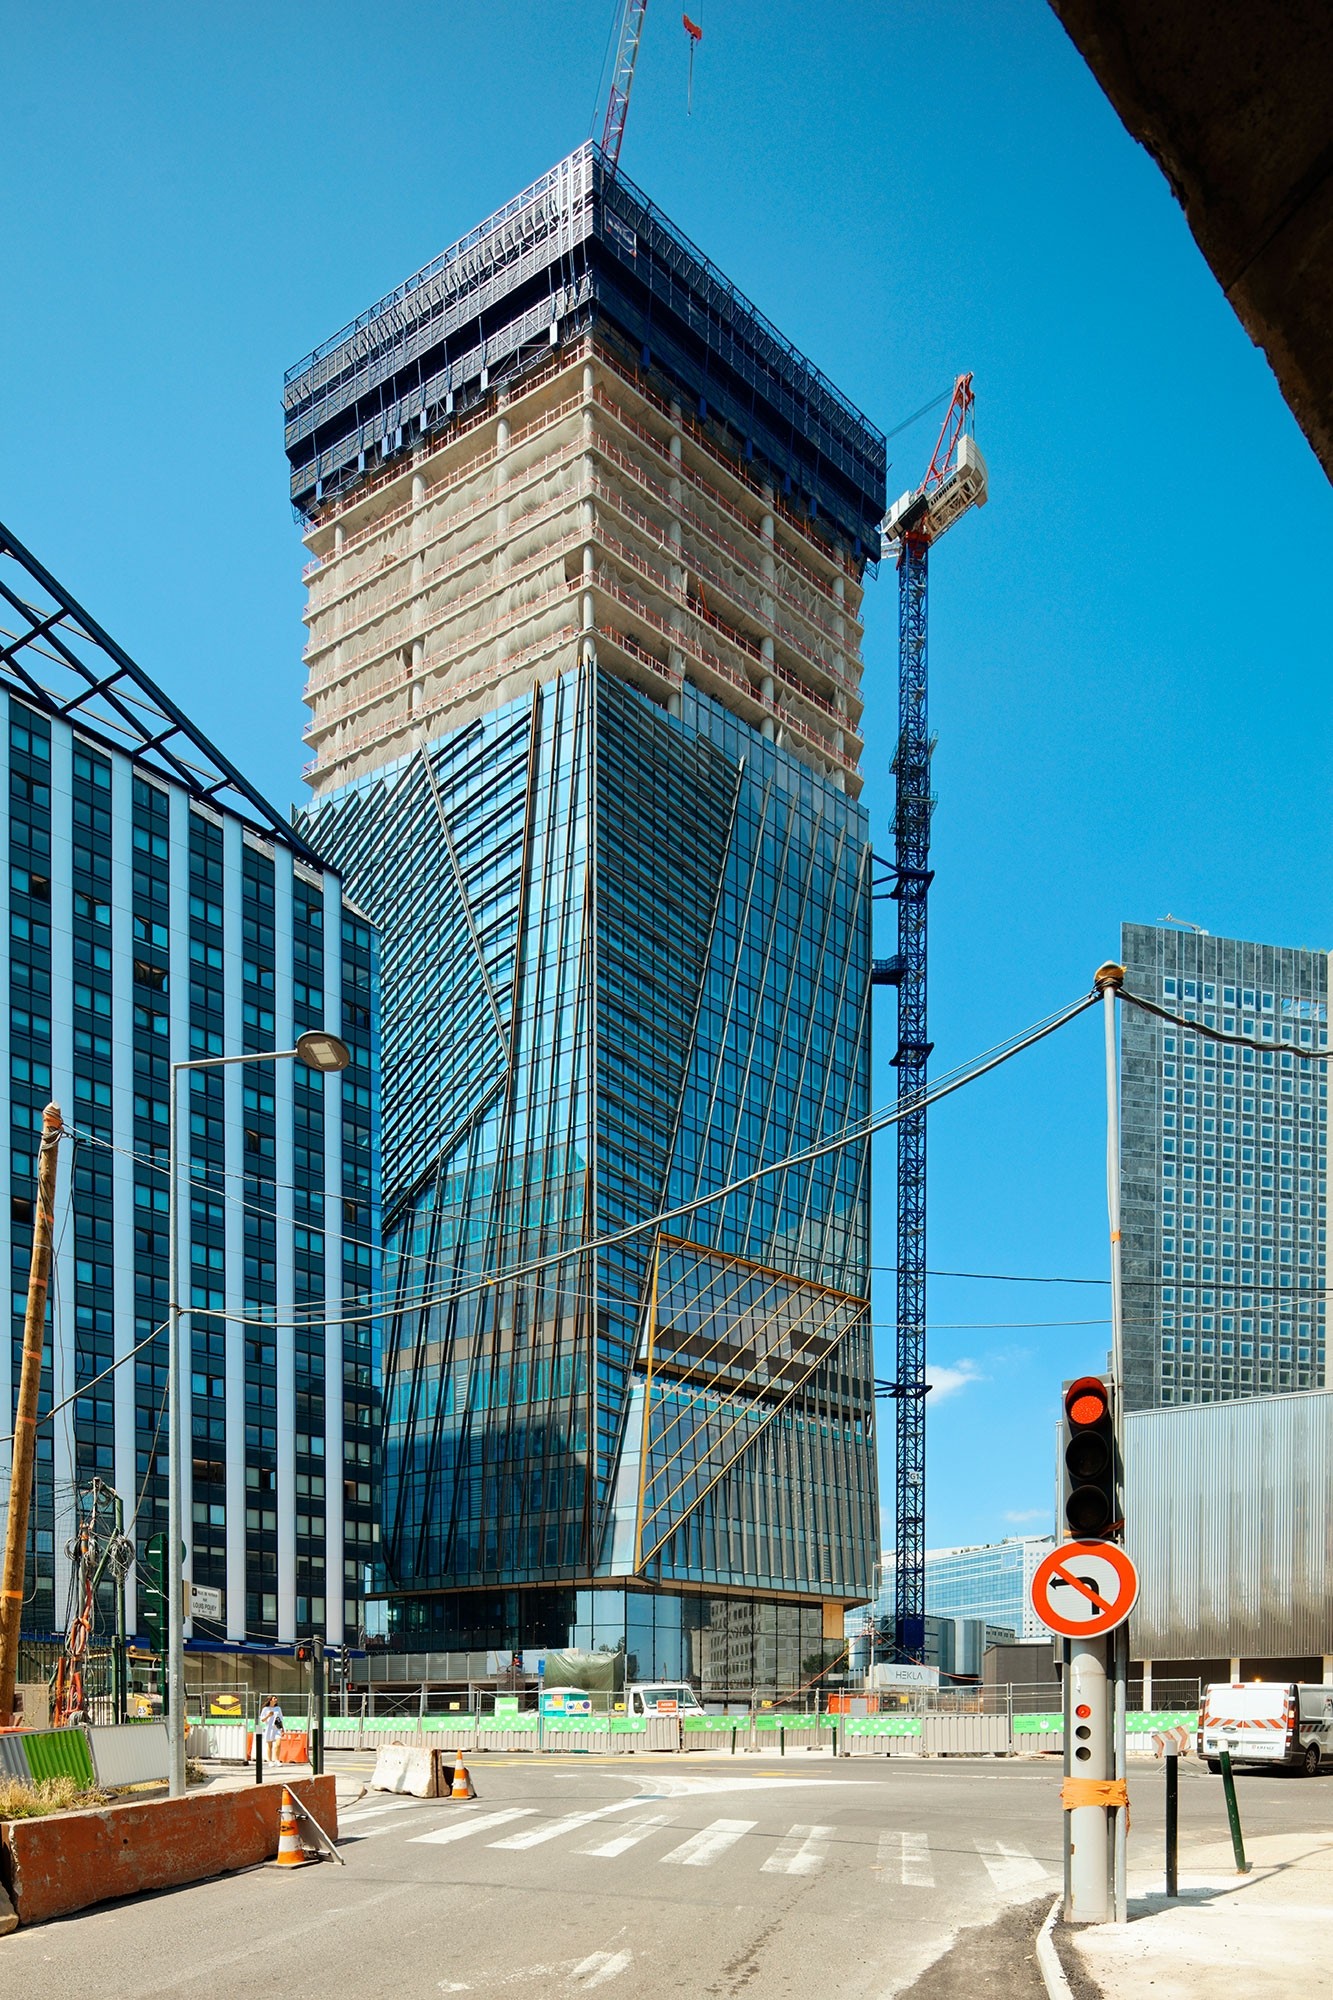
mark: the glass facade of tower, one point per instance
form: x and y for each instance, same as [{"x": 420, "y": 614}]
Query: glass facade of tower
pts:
[
  {"x": 146, "y": 925},
  {"x": 588, "y": 539},
  {"x": 635, "y": 951},
  {"x": 1223, "y": 1162}
]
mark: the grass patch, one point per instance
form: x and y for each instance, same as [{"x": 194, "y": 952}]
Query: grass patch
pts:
[{"x": 52, "y": 1795}]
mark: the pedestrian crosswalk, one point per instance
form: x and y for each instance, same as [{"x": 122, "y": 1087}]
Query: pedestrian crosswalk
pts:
[
  {"x": 702, "y": 1849},
  {"x": 900, "y": 1857},
  {"x": 904, "y": 1858}
]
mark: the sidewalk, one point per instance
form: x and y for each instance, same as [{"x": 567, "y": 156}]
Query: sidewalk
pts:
[{"x": 1262, "y": 1936}]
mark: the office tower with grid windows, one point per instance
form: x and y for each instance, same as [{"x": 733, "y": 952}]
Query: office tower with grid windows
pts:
[
  {"x": 1223, "y": 1168},
  {"x": 587, "y": 541},
  {"x": 159, "y": 911}
]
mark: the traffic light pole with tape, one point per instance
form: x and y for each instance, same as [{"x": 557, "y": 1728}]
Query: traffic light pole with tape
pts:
[
  {"x": 1091, "y": 1515},
  {"x": 1097, "y": 1581}
]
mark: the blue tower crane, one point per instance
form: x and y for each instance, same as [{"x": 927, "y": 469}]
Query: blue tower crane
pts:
[{"x": 954, "y": 481}]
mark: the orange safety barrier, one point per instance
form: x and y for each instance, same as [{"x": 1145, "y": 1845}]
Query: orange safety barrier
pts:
[{"x": 292, "y": 1747}]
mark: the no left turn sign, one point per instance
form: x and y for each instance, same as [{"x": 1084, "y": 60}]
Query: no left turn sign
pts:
[{"x": 1083, "y": 1589}]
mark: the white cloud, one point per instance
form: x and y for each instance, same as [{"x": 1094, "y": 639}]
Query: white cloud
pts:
[
  {"x": 948, "y": 1381},
  {"x": 1018, "y": 1515}
]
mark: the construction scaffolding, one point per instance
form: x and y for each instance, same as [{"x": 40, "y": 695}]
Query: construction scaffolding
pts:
[{"x": 577, "y": 500}]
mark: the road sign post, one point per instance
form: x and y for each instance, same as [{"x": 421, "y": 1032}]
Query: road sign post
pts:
[{"x": 1085, "y": 1591}]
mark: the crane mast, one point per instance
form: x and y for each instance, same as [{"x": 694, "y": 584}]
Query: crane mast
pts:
[
  {"x": 954, "y": 481},
  {"x": 622, "y": 79}
]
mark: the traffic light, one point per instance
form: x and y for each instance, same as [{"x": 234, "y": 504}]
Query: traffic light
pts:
[
  {"x": 344, "y": 1662},
  {"x": 1091, "y": 1470}
]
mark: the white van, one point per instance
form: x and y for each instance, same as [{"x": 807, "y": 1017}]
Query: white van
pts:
[
  {"x": 1267, "y": 1722},
  {"x": 662, "y": 1698}
]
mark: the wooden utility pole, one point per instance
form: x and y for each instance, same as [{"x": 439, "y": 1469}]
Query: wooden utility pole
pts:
[{"x": 25, "y": 1416}]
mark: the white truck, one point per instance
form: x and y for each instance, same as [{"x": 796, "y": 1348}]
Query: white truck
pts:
[
  {"x": 662, "y": 1698},
  {"x": 1274, "y": 1723}
]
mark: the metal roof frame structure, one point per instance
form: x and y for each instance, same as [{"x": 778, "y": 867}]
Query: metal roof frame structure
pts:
[
  {"x": 580, "y": 249},
  {"x": 63, "y": 662}
]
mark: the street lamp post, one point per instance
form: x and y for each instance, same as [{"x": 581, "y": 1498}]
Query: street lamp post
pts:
[{"x": 320, "y": 1051}]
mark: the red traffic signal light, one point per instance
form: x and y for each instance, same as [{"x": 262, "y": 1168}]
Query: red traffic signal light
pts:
[
  {"x": 1087, "y": 1402},
  {"x": 1091, "y": 1484}
]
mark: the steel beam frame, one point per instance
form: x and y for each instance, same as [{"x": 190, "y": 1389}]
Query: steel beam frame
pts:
[{"x": 63, "y": 662}]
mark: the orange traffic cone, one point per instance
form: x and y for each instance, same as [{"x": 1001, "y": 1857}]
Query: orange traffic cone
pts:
[
  {"x": 463, "y": 1787},
  {"x": 291, "y": 1854}
]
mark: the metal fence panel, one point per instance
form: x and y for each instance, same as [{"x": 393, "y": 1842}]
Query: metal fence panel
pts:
[
  {"x": 13, "y": 1760},
  {"x": 59, "y": 1753},
  {"x": 1228, "y": 1522},
  {"x": 130, "y": 1753},
  {"x": 964, "y": 1735}
]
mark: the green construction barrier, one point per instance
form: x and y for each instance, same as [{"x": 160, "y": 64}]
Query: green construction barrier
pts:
[
  {"x": 1039, "y": 1725},
  {"x": 628, "y": 1725},
  {"x": 59, "y": 1753},
  {"x": 448, "y": 1721},
  {"x": 883, "y": 1725},
  {"x": 495, "y": 1723},
  {"x": 1141, "y": 1722},
  {"x": 771, "y": 1719},
  {"x": 710, "y": 1723}
]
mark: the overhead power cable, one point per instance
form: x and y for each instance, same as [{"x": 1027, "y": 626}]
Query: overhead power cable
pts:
[
  {"x": 853, "y": 1135},
  {"x": 1226, "y": 1035}
]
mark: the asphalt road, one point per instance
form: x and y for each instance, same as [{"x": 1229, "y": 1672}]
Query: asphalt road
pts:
[{"x": 639, "y": 1879}]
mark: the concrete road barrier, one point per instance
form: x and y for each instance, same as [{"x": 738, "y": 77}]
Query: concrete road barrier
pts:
[
  {"x": 70, "y": 1861},
  {"x": 402, "y": 1767}
]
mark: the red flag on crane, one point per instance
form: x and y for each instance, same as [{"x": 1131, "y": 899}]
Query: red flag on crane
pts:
[{"x": 692, "y": 28}]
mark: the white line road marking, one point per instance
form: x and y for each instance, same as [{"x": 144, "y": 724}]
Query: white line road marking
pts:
[
  {"x": 804, "y": 1849},
  {"x": 701, "y": 1849},
  {"x": 637, "y": 1830},
  {"x": 361, "y": 1833},
  {"x": 374, "y": 1812},
  {"x": 464, "y": 1827},
  {"x": 535, "y": 1835},
  {"x": 667, "y": 1787},
  {"x": 905, "y": 1858},
  {"x": 1009, "y": 1867},
  {"x": 597, "y": 1969},
  {"x": 600, "y": 1967}
]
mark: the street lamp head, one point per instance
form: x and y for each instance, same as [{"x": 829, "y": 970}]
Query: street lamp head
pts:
[{"x": 320, "y": 1050}]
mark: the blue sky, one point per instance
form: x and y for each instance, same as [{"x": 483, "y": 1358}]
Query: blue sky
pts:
[{"x": 1129, "y": 646}]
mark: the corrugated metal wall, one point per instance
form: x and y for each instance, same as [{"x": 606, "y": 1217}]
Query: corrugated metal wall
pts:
[{"x": 1227, "y": 1516}]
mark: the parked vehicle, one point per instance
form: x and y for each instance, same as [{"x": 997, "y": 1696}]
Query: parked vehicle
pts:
[
  {"x": 662, "y": 1698},
  {"x": 1273, "y": 1723}
]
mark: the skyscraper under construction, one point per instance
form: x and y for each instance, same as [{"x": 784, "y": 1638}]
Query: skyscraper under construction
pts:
[{"x": 587, "y": 541}]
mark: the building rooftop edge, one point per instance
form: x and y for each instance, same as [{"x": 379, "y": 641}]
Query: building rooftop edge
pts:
[{"x": 489, "y": 226}]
